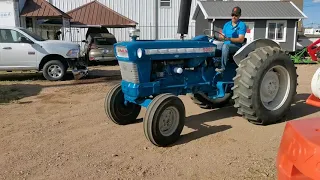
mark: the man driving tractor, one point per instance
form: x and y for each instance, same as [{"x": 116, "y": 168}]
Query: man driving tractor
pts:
[{"x": 233, "y": 32}]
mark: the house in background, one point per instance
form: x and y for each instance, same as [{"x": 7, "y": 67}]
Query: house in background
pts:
[
  {"x": 90, "y": 15},
  {"x": 45, "y": 19},
  {"x": 298, "y": 3},
  {"x": 312, "y": 31},
  {"x": 35, "y": 11},
  {"x": 158, "y": 19},
  {"x": 276, "y": 20},
  {"x": 310, "y": 35}
]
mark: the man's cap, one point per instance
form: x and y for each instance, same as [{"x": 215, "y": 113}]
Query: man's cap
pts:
[{"x": 236, "y": 11}]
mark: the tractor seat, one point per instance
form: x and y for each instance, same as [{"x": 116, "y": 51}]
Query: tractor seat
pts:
[{"x": 244, "y": 41}]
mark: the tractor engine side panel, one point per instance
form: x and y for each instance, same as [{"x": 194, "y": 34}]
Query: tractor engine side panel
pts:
[
  {"x": 177, "y": 67},
  {"x": 173, "y": 76},
  {"x": 146, "y": 78}
]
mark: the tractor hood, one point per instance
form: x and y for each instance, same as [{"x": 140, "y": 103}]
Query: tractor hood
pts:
[{"x": 164, "y": 49}]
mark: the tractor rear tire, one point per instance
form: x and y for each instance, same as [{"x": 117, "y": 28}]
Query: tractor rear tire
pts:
[
  {"x": 265, "y": 85},
  {"x": 117, "y": 111},
  {"x": 199, "y": 100},
  {"x": 204, "y": 102},
  {"x": 164, "y": 120}
]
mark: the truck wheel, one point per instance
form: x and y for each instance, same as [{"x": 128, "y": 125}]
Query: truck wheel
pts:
[
  {"x": 265, "y": 85},
  {"x": 203, "y": 101},
  {"x": 116, "y": 110},
  {"x": 164, "y": 120},
  {"x": 54, "y": 70}
]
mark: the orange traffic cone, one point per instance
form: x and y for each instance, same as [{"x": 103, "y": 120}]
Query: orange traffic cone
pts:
[{"x": 313, "y": 101}]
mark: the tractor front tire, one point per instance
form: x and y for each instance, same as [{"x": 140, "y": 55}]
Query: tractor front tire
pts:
[
  {"x": 117, "y": 111},
  {"x": 164, "y": 120},
  {"x": 265, "y": 85}
]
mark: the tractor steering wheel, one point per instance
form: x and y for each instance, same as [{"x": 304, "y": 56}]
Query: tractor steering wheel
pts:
[
  {"x": 214, "y": 37},
  {"x": 220, "y": 34}
]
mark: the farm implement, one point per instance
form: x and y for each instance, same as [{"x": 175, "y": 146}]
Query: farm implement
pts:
[{"x": 310, "y": 54}]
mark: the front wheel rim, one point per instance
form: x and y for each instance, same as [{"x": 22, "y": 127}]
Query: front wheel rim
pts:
[
  {"x": 55, "y": 71},
  {"x": 275, "y": 88},
  {"x": 169, "y": 121}
]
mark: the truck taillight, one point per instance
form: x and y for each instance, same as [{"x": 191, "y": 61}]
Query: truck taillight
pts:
[{"x": 93, "y": 46}]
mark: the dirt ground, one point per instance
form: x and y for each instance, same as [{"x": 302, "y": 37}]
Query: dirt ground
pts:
[{"x": 59, "y": 130}]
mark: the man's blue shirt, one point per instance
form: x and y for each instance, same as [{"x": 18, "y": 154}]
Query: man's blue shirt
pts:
[{"x": 234, "y": 31}]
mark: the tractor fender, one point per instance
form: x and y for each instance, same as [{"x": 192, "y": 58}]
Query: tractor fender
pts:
[{"x": 247, "y": 48}]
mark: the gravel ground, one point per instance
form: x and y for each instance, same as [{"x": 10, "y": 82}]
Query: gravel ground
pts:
[{"x": 58, "y": 130}]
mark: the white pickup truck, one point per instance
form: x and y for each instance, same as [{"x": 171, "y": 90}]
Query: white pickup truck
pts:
[{"x": 21, "y": 49}]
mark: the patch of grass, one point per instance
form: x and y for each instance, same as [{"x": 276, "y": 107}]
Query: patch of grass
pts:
[
  {"x": 305, "y": 61},
  {"x": 9, "y": 94}
]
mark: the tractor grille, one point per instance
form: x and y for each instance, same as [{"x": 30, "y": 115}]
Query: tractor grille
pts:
[{"x": 129, "y": 71}]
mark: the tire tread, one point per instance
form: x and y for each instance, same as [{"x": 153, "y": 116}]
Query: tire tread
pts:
[
  {"x": 150, "y": 113},
  {"x": 245, "y": 79}
]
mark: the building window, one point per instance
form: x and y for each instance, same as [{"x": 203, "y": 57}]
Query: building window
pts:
[
  {"x": 165, "y": 3},
  {"x": 277, "y": 30}
]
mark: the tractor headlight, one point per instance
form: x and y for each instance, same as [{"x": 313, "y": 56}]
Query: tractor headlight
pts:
[{"x": 139, "y": 53}]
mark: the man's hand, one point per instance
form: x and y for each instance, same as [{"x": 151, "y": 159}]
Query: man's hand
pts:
[{"x": 221, "y": 36}]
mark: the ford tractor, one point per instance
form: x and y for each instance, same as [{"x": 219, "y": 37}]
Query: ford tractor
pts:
[{"x": 260, "y": 80}]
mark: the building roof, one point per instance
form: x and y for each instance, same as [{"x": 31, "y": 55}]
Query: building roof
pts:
[
  {"x": 97, "y": 14},
  {"x": 250, "y": 9},
  {"x": 41, "y": 8}
]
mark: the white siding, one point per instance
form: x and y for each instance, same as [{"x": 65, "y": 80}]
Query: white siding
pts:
[
  {"x": 168, "y": 20},
  {"x": 141, "y": 11}
]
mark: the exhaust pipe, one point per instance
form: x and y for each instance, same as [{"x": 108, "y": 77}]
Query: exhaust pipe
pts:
[{"x": 184, "y": 16}]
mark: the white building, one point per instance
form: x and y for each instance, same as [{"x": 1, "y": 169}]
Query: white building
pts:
[
  {"x": 157, "y": 19},
  {"x": 9, "y": 13},
  {"x": 312, "y": 31}
]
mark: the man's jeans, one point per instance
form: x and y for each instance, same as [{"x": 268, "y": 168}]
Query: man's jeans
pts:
[{"x": 226, "y": 50}]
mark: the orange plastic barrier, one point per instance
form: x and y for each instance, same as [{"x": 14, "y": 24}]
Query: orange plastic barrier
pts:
[
  {"x": 299, "y": 152},
  {"x": 313, "y": 101}
]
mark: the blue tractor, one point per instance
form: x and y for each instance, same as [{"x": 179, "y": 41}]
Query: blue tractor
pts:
[{"x": 260, "y": 80}]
